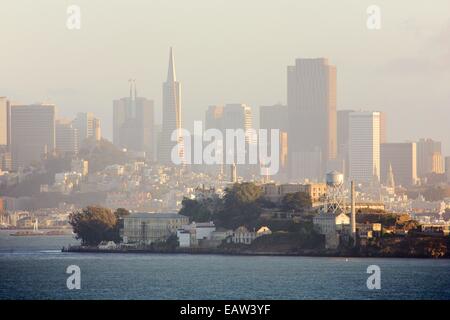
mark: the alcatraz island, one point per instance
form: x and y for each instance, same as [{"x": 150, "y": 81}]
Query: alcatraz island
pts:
[{"x": 317, "y": 219}]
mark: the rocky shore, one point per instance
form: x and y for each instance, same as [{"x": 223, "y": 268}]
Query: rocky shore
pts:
[{"x": 392, "y": 248}]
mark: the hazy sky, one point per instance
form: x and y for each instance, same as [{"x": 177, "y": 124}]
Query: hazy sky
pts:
[{"x": 230, "y": 51}]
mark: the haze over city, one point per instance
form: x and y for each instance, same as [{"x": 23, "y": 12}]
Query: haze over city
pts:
[
  {"x": 229, "y": 52},
  {"x": 224, "y": 149}
]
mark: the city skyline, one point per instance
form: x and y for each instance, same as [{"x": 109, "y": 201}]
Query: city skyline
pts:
[
  {"x": 311, "y": 108},
  {"x": 365, "y": 82},
  {"x": 214, "y": 150}
]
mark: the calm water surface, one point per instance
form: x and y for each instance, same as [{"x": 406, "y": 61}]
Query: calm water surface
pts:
[{"x": 34, "y": 268}]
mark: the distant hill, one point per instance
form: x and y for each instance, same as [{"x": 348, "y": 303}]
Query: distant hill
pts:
[{"x": 101, "y": 154}]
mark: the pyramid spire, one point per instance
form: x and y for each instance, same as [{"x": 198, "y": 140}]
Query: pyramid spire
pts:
[
  {"x": 390, "y": 182},
  {"x": 171, "y": 76}
]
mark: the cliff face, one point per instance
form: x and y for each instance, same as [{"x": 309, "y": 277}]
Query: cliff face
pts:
[{"x": 402, "y": 247}]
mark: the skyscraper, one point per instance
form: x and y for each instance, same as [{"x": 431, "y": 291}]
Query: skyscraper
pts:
[
  {"x": 96, "y": 129},
  {"x": 235, "y": 116},
  {"x": 213, "y": 117},
  {"x": 276, "y": 117},
  {"x": 447, "y": 168},
  {"x": 171, "y": 121},
  {"x": 437, "y": 163},
  {"x": 4, "y": 121},
  {"x": 311, "y": 97},
  {"x": 364, "y": 146},
  {"x": 383, "y": 127},
  {"x": 133, "y": 123},
  {"x": 32, "y": 133},
  {"x": 66, "y": 137},
  {"x": 343, "y": 119},
  {"x": 5, "y": 159},
  {"x": 238, "y": 116},
  {"x": 231, "y": 116},
  {"x": 429, "y": 157},
  {"x": 402, "y": 158},
  {"x": 87, "y": 127}
]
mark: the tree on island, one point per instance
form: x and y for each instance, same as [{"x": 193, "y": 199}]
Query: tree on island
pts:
[
  {"x": 298, "y": 201},
  {"x": 95, "y": 224},
  {"x": 241, "y": 205},
  {"x": 243, "y": 193},
  {"x": 121, "y": 213},
  {"x": 195, "y": 210}
]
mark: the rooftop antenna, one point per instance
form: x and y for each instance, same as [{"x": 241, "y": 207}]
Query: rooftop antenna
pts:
[{"x": 131, "y": 87}]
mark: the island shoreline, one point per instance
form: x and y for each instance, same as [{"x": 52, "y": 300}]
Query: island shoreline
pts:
[{"x": 329, "y": 254}]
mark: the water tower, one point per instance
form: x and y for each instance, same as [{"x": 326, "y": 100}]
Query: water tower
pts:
[{"x": 335, "y": 197}]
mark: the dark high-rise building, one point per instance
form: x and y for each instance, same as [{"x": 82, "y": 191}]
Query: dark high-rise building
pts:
[
  {"x": 276, "y": 117},
  {"x": 429, "y": 157},
  {"x": 214, "y": 118},
  {"x": 235, "y": 116},
  {"x": 133, "y": 123},
  {"x": 343, "y": 119},
  {"x": 402, "y": 158},
  {"x": 383, "y": 127},
  {"x": 32, "y": 133},
  {"x": 311, "y": 97}
]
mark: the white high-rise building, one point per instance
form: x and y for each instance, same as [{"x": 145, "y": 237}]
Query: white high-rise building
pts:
[
  {"x": 66, "y": 137},
  {"x": 364, "y": 146},
  {"x": 4, "y": 121},
  {"x": 87, "y": 127},
  {"x": 171, "y": 115}
]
